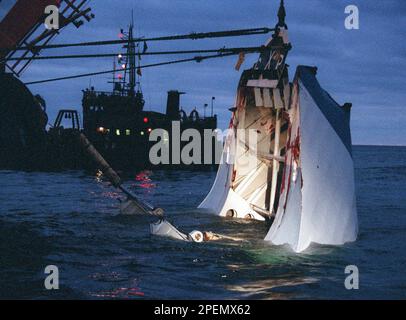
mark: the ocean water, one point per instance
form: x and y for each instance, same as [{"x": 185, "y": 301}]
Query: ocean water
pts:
[{"x": 71, "y": 220}]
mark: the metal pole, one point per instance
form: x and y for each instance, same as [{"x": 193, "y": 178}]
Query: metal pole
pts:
[
  {"x": 113, "y": 177},
  {"x": 275, "y": 163}
]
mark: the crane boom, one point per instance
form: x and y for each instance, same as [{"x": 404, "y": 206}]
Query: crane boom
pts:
[
  {"x": 20, "y": 20},
  {"x": 21, "y": 27}
]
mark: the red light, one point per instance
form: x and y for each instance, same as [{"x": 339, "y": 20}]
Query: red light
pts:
[{"x": 146, "y": 120}]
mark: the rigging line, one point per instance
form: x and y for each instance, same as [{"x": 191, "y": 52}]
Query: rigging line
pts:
[
  {"x": 197, "y": 59},
  {"x": 106, "y": 55},
  {"x": 192, "y": 36}
]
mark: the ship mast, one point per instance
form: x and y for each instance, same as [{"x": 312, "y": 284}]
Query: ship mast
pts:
[
  {"x": 128, "y": 85},
  {"x": 282, "y": 16},
  {"x": 132, "y": 61}
]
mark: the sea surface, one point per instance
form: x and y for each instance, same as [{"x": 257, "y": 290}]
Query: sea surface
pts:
[{"x": 71, "y": 220}]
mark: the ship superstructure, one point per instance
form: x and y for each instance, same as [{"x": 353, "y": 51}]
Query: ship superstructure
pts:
[{"x": 116, "y": 122}]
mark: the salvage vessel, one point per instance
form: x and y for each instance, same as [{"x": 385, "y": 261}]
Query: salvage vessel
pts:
[
  {"x": 114, "y": 121},
  {"x": 117, "y": 123}
]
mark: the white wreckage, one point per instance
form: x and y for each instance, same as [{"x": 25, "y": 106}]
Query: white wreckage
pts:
[{"x": 288, "y": 155}]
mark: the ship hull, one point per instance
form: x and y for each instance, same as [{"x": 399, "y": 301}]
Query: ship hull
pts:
[
  {"x": 314, "y": 191},
  {"x": 23, "y": 138}
]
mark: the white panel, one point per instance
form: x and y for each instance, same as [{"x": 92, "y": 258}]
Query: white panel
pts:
[
  {"x": 253, "y": 180},
  {"x": 262, "y": 83},
  {"x": 165, "y": 229},
  {"x": 221, "y": 197},
  {"x": 286, "y": 227},
  {"x": 286, "y": 95},
  {"x": 239, "y": 205},
  {"x": 258, "y": 97},
  {"x": 329, "y": 213},
  {"x": 326, "y": 210},
  {"x": 267, "y": 98},
  {"x": 277, "y": 99},
  {"x": 217, "y": 196}
]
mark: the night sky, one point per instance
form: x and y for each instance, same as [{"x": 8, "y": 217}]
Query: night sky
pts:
[{"x": 365, "y": 66}]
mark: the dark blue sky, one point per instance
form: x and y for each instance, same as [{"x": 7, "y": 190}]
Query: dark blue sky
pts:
[{"x": 365, "y": 66}]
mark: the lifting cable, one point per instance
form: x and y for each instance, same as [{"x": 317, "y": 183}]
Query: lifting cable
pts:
[
  {"x": 197, "y": 59},
  {"x": 192, "y": 36},
  {"x": 104, "y": 55}
]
